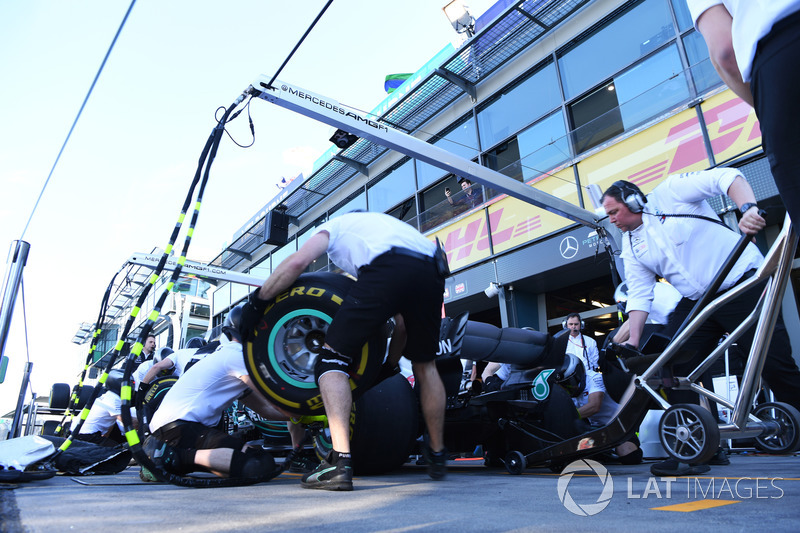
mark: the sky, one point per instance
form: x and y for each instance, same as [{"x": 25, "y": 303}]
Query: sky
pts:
[{"x": 122, "y": 178}]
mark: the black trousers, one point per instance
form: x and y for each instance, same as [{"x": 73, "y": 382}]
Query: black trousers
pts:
[
  {"x": 774, "y": 82},
  {"x": 780, "y": 370}
]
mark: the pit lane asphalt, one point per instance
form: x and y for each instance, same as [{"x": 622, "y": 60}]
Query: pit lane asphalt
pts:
[{"x": 753, "y": 493}]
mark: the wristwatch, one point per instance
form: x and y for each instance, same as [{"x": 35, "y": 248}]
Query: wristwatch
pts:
[{"x": 747, "y": 206}]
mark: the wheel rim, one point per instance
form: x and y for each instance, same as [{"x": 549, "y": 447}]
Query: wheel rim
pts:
[
  {"x": 683, "y": 432},
  {"x": 782, "y": 439},
  {"x": 294, "y": 345}
]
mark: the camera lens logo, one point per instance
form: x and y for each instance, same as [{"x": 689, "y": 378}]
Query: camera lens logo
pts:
[{"x": 586, "y": 509}]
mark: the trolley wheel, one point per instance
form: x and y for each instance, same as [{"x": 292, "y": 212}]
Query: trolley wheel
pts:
[
  {"x": 59, "y": 396},
  {"x": 787, "y": 440},
  {"x": 689, "y": 433},
  {"x": 515, "y": 463}
]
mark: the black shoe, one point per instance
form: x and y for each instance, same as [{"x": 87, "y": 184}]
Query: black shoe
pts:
[
  {"x": 330, "y": 477},
  {"x": 302, "y": 464},
  {"x": 720, "y": 458},
  {"x": 633, "y": 458},
  {"x": 436, "y": 461},
  {"x": 673, "y": 467}
]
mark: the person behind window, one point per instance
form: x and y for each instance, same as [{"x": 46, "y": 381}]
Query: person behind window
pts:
[{"x": 469, "y": 197}]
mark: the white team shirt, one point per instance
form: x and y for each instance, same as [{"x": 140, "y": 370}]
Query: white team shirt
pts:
[
  {"x": 687, "y": 252},
  {"x": 594, "y": 383},
  {"x": 590, "y": 356},
  {"x": 358, "y": 238},
  {"x": 103, "y": 414},
  {"x": 204, "y": 393},
  {"x": 752, "y": 20},
  {"x": 182, "y": 357}
]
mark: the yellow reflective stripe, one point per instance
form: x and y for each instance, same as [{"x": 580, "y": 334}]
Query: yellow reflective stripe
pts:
[
  {"x": 153, "y": 315},
  {"x": 197, "y": 206},
  {"x": 181, "y": 217},
  {"x": 64, "y": 446},
  {"x": 137, "y": 348},
  {"x": 120, "y": 345},
  {"x": 132, "y": 437},
  {"x": 84, "y": 413},
  {"x": 182, "y": 260},
  {"x": 103, "y": 378},
  {"x": 125, "y": 392},
  {"x": 169, "y": 286},
  {"x": 135, "y": 311},
  {"x": 190, "y": 232},
  {"x": 169, "y": 248},
  {"x": 153, "y": 279}
]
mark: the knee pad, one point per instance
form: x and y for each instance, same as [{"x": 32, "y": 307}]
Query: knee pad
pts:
[
  {"x": 330, "y": 361},
  {"x": 254, "y": 463},
  {"x": 165, "y": 456}
]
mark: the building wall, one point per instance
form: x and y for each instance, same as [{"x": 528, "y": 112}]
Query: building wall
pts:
[{"x": 639, "y": 70}]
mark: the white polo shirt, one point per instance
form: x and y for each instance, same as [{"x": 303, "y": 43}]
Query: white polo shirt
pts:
[
  {"x": 358, "y": 238},
  {"x": 687, "y": 252},
  {"x": 752, "y": 20}
]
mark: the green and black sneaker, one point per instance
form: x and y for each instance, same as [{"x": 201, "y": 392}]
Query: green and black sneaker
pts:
[{"x": 328, "y": 476}]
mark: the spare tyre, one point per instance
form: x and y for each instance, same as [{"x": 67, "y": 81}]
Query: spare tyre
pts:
[
  {"x": 283, "y": 349},
  {"x": 384, "y": 426},
  {"x": 82, "y": 398},
  {"x": 59, "y": 396}
]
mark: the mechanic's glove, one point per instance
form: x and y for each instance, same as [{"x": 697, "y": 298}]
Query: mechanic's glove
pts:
[
  {"x": 144, "y": 388},
  {"x": 252, "y": 311}
]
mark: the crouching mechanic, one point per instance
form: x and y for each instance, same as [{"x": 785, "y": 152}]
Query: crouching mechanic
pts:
[
  {"x": 397, "y": 272},
  {"x": 184, "y": 437}
]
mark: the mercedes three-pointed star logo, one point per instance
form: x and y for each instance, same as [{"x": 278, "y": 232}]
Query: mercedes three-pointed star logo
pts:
[{"x": 568, "y": 247}]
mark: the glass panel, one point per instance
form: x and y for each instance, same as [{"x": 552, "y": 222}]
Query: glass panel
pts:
[
  {"x": 597, "y": 118},
  {"x": 392, "y": 188},
  {"x": 703, "y": 73},
  {"x": 682, "y": 14},
  {"x": 438, "y": 208},
  {"x": 671, "y": 146},
  {"x": 543, "y": 146},
  {"x": 631, "y": 36},
  {"x": 663, "y": 73},
  {"x": 222, "y": 297},
  {"x": 504, "y": 159},
  {"x": 239, "y": 291},
  {"x": 359, "y": 202},
  {"x": 460, "y": 141},
  {"x": 518, "y": 106},
  {"x": 407, "y": 212},
  {"x": 262, "y": 270}
]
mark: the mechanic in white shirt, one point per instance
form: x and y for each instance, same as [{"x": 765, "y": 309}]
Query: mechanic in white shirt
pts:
[
  {"x": 755, "y": 47},
  {"x": 674, "y": 233},
  {"x": 579, "y": 345},
  {"x": 398, "y": 271},
  {"x": 184, "y": 437}
]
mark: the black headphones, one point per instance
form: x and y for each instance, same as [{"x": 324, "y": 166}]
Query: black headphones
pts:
[
  {"x": 631, "y": 195},
  {"x": 564, "y": 324}
]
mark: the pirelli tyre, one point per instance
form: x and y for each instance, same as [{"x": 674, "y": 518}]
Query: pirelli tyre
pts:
[
  {"x": 384, "y": 426},
  {"x": 282, "y": 351},
  {"x": 82, "y": 398},
  {"x": 59, "y": 396},
  {"x": 147, "y": 403}
]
